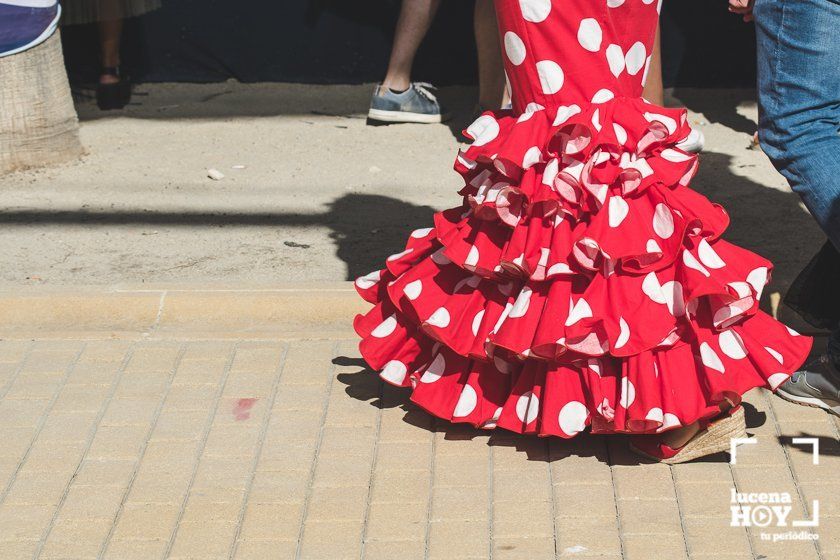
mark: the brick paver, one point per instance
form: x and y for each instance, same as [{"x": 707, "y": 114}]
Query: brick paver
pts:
[{"x": 277, "y": 449}]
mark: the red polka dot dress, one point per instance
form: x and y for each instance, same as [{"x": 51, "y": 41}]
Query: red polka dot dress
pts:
[{"x": 581, "y": 284}]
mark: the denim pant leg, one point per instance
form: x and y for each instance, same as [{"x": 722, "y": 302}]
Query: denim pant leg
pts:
[{"x": 799, "y": 100}]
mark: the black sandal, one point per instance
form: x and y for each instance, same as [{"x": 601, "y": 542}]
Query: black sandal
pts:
[{"x": 116, "y": 95}]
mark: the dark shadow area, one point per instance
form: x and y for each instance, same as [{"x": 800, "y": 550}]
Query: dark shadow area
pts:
[
  {"x": 365, "y": 385},
  {"x": 691, "y": 60},
  {"x": 365, "y": 228},
  {"x": 827, "y": 447},
  {"x": 754, "y": 418},
  {"x": 764, "y": 220},
  {"x": 723, "y": 110}
]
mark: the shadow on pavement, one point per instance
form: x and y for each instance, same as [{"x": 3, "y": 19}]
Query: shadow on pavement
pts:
[{"x": 365, "y": 385}]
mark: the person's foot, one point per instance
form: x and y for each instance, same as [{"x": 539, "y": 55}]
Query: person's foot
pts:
[
  {"x": 816, "y": 385},
  {"x": 693, "y": 143},
  {"x": 113, "y": 90},
  {"x": 704, "y": 438},
  {"x": 415, "y": 105}
]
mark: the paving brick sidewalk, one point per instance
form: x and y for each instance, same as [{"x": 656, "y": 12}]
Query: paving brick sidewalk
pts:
[{"x": 290, "y": 449}]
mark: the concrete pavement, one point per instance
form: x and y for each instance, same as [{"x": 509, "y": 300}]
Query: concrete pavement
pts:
[{"x": 181, "y": 447}]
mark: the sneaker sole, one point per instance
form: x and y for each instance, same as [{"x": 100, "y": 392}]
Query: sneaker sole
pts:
[
  {"x": 809, "y": 401},
  {"x": 405, "y": 117}
]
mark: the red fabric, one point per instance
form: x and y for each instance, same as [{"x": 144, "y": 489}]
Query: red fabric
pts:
[{"x": 581, "y": 283}]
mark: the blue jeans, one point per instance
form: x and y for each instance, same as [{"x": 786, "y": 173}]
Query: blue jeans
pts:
[
  {"x": 799, "y": 100},
  {"x": 799, "y": 106}
]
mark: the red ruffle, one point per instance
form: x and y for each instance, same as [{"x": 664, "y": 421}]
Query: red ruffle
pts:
[{"x": 580, "y": 283}]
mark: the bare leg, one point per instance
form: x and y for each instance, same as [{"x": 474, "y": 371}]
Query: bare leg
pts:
[
  {"x": 415, "y": 18},
  {"x": 491, "y": 75},
  {"x": 110, "y": 32},
  {"x": 653, "y": 91}
]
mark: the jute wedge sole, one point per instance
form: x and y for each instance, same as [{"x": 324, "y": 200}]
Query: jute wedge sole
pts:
[{"x": 714, "y": 439}]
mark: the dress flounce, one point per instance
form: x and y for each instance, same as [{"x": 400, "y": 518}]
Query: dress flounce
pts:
[{"x": 580, "y": 284}]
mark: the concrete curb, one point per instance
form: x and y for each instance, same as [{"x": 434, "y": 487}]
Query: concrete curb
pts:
[
  {"x": 322, "y": 310},
  {"x": 319, "y": 310}
]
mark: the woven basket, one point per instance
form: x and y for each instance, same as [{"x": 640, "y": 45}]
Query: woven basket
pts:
[{"x": 38, "y": 123}]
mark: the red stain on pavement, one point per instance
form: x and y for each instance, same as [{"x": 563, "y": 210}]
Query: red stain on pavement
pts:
[{"x": 242, "y": 410}]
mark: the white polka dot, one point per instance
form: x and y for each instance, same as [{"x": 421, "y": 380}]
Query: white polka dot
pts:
[
  {"x": 668, "y": 122},
  {"x": 476, "y": 324},
  {"x": 669, "y": 421},
  {"x": 775, "y": 354},
  {"x": 421, "y": 233},
  {"x": 691, "y": 262},
  {"x": 652, "y": 247},
  {"x": 777, "y": 379},
  {"x": 472, "y": 257},
  {"x": 559, "y": 268},
  {"x": 394, "y": 372},
  {"x": 564, "y": 113},
  {"x": 758, "y": 279},
  {"x": 529, "y": 111},
  {"x": 618, "y": 210},
  {"x": 615, "y": 59},
  {"x": 635, "y": 59},
  {"x": 527, "y": 407},
  {"x": 535, "y": 11},
  {"x": 791, "y": 331},
  {"x": 620, "y": 134},
  {"x": 732, "y": 345},
  {"x": 628, "y": 393},
  {"x": 439, "y": 258},
  {"x": 602, "y": 96},
  {"x": 596, "y": 120},
  {"x": 675, "y": 156},
  {"x": 708, "y": 256},
  {"x": 652, "y": 288},
  {"x": 385, "y": 328},
  {"x": 397, "y": 256},
  {"x": 435, "y": 370},
  {"x": 483, "y": 130},
  {"x": 580, "y": 310},
  {"x": 742, "y": 289},
  {"x": 663, "y": 221},
  {"x": 514, "y": 48},
  {"x": 655, "y": 415},
  {"x": 439, "y": 318},
  {"x": 551, "y": 76},
  {"x": 710, "y": 358},
  {"x": 590, "y": 35},
  {"x": 520, "y": 307},
  {"x": 492, "y": 422},
  {"x": 412, "y": 289},
  {"x": 614, "y": 3},
  {"x": 532, "y": 157},
  {"x": 369, "y": 280},
  {"x": 623, "y": 335},
  {"x": 466, "y": 402},
  {"x": 572, "y": 417}
]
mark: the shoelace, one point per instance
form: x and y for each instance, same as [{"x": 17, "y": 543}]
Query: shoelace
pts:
[{"x": 423, "y": 89}]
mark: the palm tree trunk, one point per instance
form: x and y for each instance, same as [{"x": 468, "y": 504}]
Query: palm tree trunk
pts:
[{"x": 38, "y": 123}]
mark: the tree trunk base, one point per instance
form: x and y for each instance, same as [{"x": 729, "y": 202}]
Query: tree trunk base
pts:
[{"x": 38, "y": 123}]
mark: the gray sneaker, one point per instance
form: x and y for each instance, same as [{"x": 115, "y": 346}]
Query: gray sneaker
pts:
[
  {"x": 816, "y": 385},
  {"x": 417, "y": 104}
]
